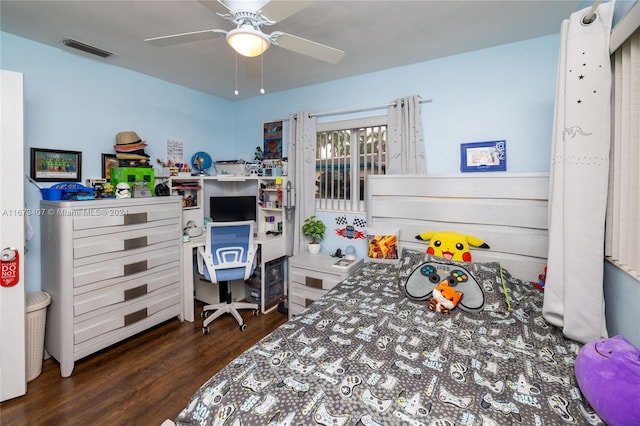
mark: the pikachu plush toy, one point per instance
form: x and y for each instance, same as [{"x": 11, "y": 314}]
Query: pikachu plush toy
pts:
[{"x": 451, "y": 245}]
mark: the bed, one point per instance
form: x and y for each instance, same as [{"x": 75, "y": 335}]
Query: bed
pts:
[{"x": 367, "y": 354}]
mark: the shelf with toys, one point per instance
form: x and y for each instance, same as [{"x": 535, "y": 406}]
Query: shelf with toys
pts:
[
  {"x": 171, "y": 168},
  {"x": 196, "y": 191},
  {"x": 270, "y": 211}
]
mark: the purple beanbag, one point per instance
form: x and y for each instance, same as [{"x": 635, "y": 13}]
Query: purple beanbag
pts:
[{"x": 608, "y": 374}]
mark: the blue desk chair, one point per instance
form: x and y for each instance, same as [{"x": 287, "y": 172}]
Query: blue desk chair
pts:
[{"x": 228, "y": 254}]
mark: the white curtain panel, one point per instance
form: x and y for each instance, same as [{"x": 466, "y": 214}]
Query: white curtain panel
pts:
[
  {"x": 574, "y": 294},
  {"x": 405, "y": 141},
  {"x": 302, "y": 171}
]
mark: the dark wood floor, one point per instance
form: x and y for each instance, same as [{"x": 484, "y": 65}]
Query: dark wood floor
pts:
[{"x": 141, "y": 381}]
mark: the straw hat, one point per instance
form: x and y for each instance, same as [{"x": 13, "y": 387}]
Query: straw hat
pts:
[
  {"x": 129, "y": 147},
  {"x": 126, "y": 138}
]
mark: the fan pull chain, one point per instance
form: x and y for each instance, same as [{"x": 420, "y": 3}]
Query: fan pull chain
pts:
[
  {"x": 235, "y": 92},
  {"x": 262, "y": 73}
]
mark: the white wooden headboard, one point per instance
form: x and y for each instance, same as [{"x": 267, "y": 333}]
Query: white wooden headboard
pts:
[{"x": 509, "y": 211}]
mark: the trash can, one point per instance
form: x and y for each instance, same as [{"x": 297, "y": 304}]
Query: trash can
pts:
[{"x": 37, "y": 303}]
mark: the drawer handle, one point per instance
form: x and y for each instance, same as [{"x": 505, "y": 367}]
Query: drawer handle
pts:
[
  {"x": 133, "y": 243},
  {"x": 133, "y": 218},
  {"x": 313, "y": 282},
  {"x": 307, "y": 302},
  {"x": 135, "y": 316},
  {"x": 132, "y": 293},
  {"x": 133, "y": 268}
]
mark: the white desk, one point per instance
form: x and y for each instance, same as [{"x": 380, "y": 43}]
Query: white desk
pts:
[{"x": 271, "y": 247}]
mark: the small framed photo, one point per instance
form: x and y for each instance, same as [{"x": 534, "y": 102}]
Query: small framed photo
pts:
[
  {"x": 490, "y": 156},
  {"x": 109, "y": 161},
  {"x": 53, "y": 165}
]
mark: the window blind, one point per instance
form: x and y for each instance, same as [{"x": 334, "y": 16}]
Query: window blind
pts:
[{"x": 622, "y": 237}]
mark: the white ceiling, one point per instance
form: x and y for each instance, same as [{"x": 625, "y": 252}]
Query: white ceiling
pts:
[{"x": 375, "y": 35}]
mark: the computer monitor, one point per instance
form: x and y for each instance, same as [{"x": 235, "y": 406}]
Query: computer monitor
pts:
[{"x": 233, "y": 208}]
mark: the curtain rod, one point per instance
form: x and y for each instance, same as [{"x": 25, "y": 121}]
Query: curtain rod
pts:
[
  {"x": 591, "y": 14},
  {"x": 370, "y": 108},
  {"x": 354, "y": 110}
]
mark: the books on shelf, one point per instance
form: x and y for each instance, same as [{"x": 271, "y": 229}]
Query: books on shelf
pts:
[{"x": 344, "y": 263}]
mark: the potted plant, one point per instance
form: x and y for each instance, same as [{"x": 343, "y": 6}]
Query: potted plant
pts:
[{"x": 314, "y": 230}]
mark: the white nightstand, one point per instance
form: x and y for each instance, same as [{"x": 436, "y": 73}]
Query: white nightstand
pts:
[{"x": 311, "y": 276}]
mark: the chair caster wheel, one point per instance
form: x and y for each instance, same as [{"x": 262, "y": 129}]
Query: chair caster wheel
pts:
[
  {"x": 243, "y": 327},
  {"x": 255, "y": 312},
  {"x": 204, "y": 314},
  {"x": 205, "y": 330}
]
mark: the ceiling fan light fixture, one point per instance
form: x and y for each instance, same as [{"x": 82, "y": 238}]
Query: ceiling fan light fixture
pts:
[{"x": 247, "y": 41}]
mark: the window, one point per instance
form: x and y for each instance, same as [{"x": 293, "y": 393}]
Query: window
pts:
[
  {"x": 622, "y": 245},
  {"x": 346, "y": 153}
]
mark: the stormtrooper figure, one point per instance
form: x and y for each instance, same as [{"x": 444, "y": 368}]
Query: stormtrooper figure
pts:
[{"x": 123, "y": 190}]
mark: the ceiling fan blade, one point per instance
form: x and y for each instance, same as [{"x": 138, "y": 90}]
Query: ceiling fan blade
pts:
[
  {"x": 307, "y": 47},
  {"x": 279, "y": 10},
  {"x": 185, "y": 37}
]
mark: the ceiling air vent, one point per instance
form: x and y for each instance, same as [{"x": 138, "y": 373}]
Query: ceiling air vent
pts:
[{"x": 75, "y": 44}]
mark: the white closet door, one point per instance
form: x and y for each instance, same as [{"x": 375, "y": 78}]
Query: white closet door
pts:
[{"x": 12, "y": 299}]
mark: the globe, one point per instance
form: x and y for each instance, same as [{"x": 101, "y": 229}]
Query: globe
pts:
[{"x": 201, "y": 161}]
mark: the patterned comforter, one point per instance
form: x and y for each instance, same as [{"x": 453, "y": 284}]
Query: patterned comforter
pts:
[{"x": 365, "y": 354}]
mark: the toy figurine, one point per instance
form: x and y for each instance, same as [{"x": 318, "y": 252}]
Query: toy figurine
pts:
[
  {"x": 123, "y": 190},
  {"x": 107, "y": 191},
  {"x": 259, "y": 155}
]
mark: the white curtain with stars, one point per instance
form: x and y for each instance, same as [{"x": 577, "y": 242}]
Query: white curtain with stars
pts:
[
  {"x": 302, "y": 173},
  {"x": 405, "y": 141},
  {"x": 574, "y": 294}
]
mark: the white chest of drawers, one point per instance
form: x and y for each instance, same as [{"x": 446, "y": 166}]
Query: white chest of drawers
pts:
[
  {"x": 311, "y": 276},
  {"x": 112, "y": 268}
]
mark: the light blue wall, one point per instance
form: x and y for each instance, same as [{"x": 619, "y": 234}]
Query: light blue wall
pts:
[
  {"x": 506, "y": 92},
  {"x": 80, "y": 104},
  {"x": 622, "y": 295},
  {"x": 621, "y": 8},
  {"x": 76, "y": 103}
]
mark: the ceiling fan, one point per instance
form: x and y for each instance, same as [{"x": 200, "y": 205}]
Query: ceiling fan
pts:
[{"x": 248, "y": 39}]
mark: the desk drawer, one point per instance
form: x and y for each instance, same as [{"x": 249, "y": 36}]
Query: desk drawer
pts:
[
  {"x": 273, "y": 248},
  {"x": 124, "y": 291}
]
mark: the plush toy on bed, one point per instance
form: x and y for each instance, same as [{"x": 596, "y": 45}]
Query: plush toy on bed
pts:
[
  {"x": 451, "y": 245},
  {"x": 608, "y": 374},
  {"x": 445, "y": 298}
]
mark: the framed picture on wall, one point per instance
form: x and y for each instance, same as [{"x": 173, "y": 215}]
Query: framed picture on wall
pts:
[
  {"x": 272, "y": 135},
  {"x": 54, "y": 165},
  {"x": 109, "y": 161},
  {"x": 490, "y": 156}
]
